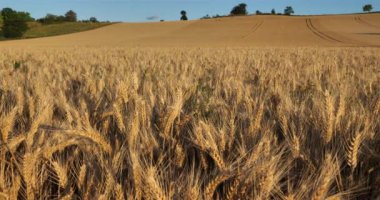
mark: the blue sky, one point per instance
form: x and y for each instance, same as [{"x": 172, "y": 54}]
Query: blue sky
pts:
[{"x": 140, "y": 10}]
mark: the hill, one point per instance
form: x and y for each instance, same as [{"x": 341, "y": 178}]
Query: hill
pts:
[
  {"x": 252, "y": 31},
  {"x": 38, "y": 30}
]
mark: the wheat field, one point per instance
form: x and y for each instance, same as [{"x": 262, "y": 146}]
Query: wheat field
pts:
[
  {"x": 190, "y": 123},
  {"x": 360, "y": 30}
]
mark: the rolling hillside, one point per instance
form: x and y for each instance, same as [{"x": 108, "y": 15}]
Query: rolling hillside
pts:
[{"x": 361, "y": 30}]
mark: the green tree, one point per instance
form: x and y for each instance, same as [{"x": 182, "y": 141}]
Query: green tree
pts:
[
  {"x": 25, "y": 16},
  {"x": 93, "y": 20},
  {"x": 273, "y": 12},
  {"x": 288, "y": 10},
  {"x": 14, "y": 25},
  {"x": 367, "y": 8},
  {"x": 183, "y": 15},
  {"x": 71, "y": 16},
  {"x": 240, "y": 9},
  {"x": 7, "y": 12}
]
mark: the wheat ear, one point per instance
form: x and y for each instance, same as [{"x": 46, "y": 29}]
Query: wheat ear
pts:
[
  {"x": 61, "y": 173},
  {"x": 377, "y": 107},
  {"x": 232, "y": 189},
  {"x": 353, "y": 150},
  {"x": 211, "y": 186}
]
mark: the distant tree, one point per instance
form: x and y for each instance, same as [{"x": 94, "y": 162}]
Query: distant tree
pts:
[
  {"x": 240, "y": 9},
  {"x": 14, "y": 23},
  {"x": 93, "y": 20},
  {"x": 26, "y": 16},
  {"x": 206, "y": 17},
  {"x": 71, "y": 16},
  {"x": 183, "y": 15},
  {"x": 288, "y": 10},
  {"x": 258, "y": 12},
  {"x": 367, "y": 8},
  {"x": 51, "y": 18},
  {"x": 273, "y": 12},
  {"x": 162, "y": 20}
]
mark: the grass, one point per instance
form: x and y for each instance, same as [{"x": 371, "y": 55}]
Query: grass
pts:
[
  {"x": 38, "y": 30},
  {"x": 60, "y": 29},
  {"x": 263, "y": 123}
]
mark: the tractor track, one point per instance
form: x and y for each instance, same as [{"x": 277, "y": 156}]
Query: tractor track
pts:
[
  {"x": 254, "y": 29},
  {"x": 359, "y": 20},
  {"x": 330, "y": 38},
  {"x": 321, "y": 34}
]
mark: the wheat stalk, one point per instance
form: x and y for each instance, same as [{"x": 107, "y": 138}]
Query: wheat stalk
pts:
[
  {"x": 43, "y": 114},
  {"x": 82, "y": 176},
  {"x": 341, "y": 108},
  {"x": 134, "y": 131},
  {"x": 7, "y": 123},
  {"x": 327, "y": 175},
  {"x": 329, "y": 119},
  {"x": 30, "y": 160},
  {"x": 136, "y": 175},
  {"x": 152, "y": 189},
  {"x": 176, "y": 109},
  {"x": 179, "y": 155},
  {"x": 119, "y": 117},
  {"x": 257, "y": 120}
]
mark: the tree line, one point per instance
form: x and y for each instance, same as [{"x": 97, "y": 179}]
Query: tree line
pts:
[
  {"x": 69, "y": 16},
  {"x": 241, "y": 10},
  {"x": 15, "y": 23}
]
